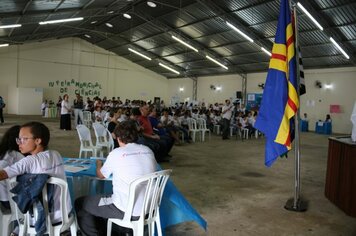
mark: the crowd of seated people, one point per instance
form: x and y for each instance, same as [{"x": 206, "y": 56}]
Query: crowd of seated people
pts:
[{"x": 161, "y": 126}]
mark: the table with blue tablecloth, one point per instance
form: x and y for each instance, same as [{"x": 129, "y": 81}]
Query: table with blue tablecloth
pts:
[
  {"x": 323, "y": 127},
  {"x": 174, "y": 207},
  {"x": 304, "y": 125}
]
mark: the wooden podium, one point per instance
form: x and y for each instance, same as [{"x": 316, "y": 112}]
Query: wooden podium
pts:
[{"x": 340, "y": 184}]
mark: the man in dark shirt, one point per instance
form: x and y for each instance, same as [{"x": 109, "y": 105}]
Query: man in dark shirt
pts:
[{"x": 78, "y": 109}]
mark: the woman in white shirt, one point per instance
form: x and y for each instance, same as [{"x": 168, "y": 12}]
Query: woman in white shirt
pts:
[
  {"x": 65, "y": 113},
  {"x": 9, "y": 154}
]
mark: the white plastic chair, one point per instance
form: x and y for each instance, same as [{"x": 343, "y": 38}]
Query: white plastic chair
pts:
[
  {"x": 68, "y": 221},
  {"x": 86, "y": 144},
  {"x": 154, "y": 186},
  {"x": 5, "y": 220},
  {"x": 193, "y": 128},
  {"x": 245, "y": 133},
  {"x": 202, "y": 127},
  {"x": 87, "y": 118},
  {"x": 102, "y": 136}
]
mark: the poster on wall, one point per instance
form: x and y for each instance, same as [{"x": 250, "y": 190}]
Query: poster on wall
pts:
[{"x": 253, "y": 101}]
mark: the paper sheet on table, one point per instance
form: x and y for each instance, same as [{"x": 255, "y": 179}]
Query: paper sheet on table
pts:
[{"x": 74, "y": 169}]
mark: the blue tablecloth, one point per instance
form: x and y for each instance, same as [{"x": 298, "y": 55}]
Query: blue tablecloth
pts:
[
  {"x": 323, "y": 127},
  {"x": 174, "y": 207}
]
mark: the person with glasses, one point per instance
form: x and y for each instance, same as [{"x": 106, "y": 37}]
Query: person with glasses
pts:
[
  {"x": 33, "y": 138},
  {"x": 9, "y": 154}
]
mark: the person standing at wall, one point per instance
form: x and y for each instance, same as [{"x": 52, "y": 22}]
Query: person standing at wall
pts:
[
  {"x": 226, "y": 115},
  {"x": 2, "y": 106},
  {"x": 78, "y": 109},
  {"x": 65, "y": 113}
]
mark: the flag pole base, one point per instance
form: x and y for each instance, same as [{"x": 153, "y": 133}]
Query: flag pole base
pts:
[{"x": 300, "y": 207}]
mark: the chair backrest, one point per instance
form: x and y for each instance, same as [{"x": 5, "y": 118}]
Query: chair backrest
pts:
[
  {"x": 192, "y": 123},
  {"x": 87, "y": 118},
  {"x": 100, "y": 132},
  {"x": 84, "y": 135},
  {"x": 25, "y": 221},
  {"x": 111, "y": 141},
  {"x": 151, "y": 195},
  {"x": 201, "y": 123}
]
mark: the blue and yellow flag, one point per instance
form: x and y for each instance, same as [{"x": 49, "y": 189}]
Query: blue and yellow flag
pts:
[{"x": 280, "y": 98}]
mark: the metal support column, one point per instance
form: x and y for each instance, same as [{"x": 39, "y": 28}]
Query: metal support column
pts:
[{"x": 244, "y": 88}]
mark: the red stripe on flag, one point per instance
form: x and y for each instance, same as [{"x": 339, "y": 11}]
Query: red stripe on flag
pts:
[
  {"x": 279, "y": 56},
  {"x": 292, "y": 105},
  {"x": 290, "y": 41}
]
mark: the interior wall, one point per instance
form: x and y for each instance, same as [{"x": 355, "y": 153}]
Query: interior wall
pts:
[
  {"x": 180, "y": 90},
  {"x": 339, "y": 90},
  {"x": 73, "y": 65},
  {"x": 229, "y": 85}
]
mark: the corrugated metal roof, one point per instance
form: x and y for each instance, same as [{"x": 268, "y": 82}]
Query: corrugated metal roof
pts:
[{"x": 202, "y": 23}]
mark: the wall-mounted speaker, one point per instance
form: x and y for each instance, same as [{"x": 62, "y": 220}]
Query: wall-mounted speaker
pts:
[{"x": 239, "y": 94}]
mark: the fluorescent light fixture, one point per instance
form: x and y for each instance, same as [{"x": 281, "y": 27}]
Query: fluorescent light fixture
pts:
[
  {"x": 60, "y": 21},
  {"x": 266, "y": 51},
  {"x": 110, "y": 12},
  {"x": 93, "y": 22},
  {"x": 215, "y": 61},
  {"x": 218, "y": 88},
  {"x": 328, "y": 86},
  {"x": 140, "y": 54},
  {"x": 151, "y": 4},
  {"x": 239, "y": 31},
  {"x": 168, "y": 68},
  {"x": 184, "y": 43},
  {"x": 4, "y": 45},
  {"x": 88, "y": 36},
  {"x": 181, "y": 89},
  {"x": 10, "y": 26},
  {"x": 127, "y": 16},
  {"x": 309, "y": 15},
  {"x": 340, "y": 49},
  {"x": 109, "y": 25}
]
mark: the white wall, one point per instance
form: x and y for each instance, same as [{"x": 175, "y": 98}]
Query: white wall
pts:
[
  {"x": 174, "y": 92},
  {"x": 58, "y": 65},
  {"x": 229, "y": 85},
  {"x": 316, "y": 102}
]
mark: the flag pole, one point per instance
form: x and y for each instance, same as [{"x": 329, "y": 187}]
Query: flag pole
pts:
[{"x": 296, "y": 203}]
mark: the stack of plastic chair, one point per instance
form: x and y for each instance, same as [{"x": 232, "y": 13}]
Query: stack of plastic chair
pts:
[
  {"x": 154, "y": 186},
  {"x": 86, "y": 144}
]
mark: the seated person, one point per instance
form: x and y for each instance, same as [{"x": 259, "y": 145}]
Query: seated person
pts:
[
  {"x": 126, "y": 163},
  {"x": 148, "y": 134},
  {"x": 327, "y": 118},
  {"x": 33, "y": 138},
  {"x": 9, "y": 154}
]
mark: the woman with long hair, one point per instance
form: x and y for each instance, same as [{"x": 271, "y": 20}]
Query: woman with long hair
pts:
[{"x": 9, "y": 154}]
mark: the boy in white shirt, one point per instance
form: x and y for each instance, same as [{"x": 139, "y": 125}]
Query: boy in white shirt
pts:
[{"x": 125, "y": 164}]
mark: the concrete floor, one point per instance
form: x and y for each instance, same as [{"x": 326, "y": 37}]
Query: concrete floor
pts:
[{"x": 228, "y": 184}]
